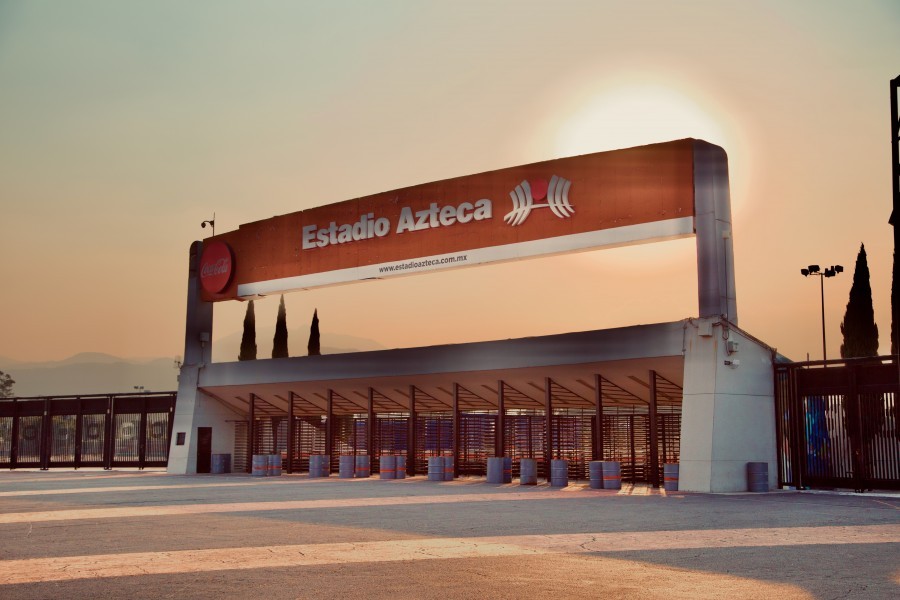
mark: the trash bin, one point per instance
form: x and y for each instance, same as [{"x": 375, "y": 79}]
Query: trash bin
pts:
[
  {"x": 559, "y": 472},
  {"x": 435, "y": 468},
  {"x": 221, "y": 463},
  {"x": 612, "y": 475},
  {"x": 274, "y": 469},
  {"x": 758, "y": 476},
  {"x": 346, "y": 466},
  {"x": 260, "y": 465},
  {"x": 387, "y": 467},
  {"x": 595, "y": 468},
  {"x": 448, "y": 468},
  {"x": 528, "y": 471},
  {"x": 363, "y": 467},
  {"x": 670, "y": 477},
  {"x": 495, "y": 469}
]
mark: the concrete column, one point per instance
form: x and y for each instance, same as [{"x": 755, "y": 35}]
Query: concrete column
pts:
[
  {"x": 728, "y": 416},
  {"x": 712, "y": 222},
  {"x": 193, "y": 408}
]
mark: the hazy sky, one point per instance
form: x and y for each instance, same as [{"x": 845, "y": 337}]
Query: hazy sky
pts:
[{"x": 125, "y": 124}]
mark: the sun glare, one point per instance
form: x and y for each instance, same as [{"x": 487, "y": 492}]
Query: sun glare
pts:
[
  {"x": 629, "y": 115},
  {"x": 635, "y": 116}
]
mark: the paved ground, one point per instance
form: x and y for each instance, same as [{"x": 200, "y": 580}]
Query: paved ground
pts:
[{"x": 90, "y": 534}]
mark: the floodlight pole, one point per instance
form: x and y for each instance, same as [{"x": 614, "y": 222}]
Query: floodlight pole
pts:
[
  {"x": 822, "y": 290},
  {"x": 822, "y": 274}
]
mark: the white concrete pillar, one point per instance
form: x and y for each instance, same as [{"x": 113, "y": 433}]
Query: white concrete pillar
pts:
[
  {"x": 193, "y": 408},
  {"x": 728, "y": 416}
]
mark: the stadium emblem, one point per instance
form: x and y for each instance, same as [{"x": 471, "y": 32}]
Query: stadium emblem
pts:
[{"x": 526, "y": 193}]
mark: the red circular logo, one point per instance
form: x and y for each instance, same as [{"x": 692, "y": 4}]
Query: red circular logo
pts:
[{"x": 216, "y": 267}]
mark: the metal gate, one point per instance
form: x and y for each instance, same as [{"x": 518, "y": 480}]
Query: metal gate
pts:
[
  {"x": 526, "y": 432},
  {"x": 110, "y": 430},
  {"x": 838, "y": 424},
  {"x": 350, "y": 437},
  {"x": 434, "y": 437},
  {"x": 391, "y": 435},
  {"x": 309, "y": 439},
  {"x": 477, "y": 441},
  {"x": 571, "y": 435}
]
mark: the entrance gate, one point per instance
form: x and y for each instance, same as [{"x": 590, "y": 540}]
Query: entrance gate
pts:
[
  {"x": 838, "y": 423},
  {"x": 516, "y": 425},
  {"x": 109, "y": 430}
]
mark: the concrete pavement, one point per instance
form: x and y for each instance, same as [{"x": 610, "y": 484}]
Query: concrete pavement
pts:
[{"x": 84, "y": 534}]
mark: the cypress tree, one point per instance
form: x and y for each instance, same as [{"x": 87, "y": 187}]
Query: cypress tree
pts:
[
  {"x": 313, "y": 346},
  {"x": 858, "y": 328},
  {"x": 248, "y": 341},
  {"x": 895, "y": 312},
  {"x": 280, "y": 341}
]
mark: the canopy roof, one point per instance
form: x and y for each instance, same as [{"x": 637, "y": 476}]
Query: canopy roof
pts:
[{"x": 620, "y": 359}]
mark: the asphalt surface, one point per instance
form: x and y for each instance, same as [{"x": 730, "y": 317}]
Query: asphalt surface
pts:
[{"x": 119, "y": 534}]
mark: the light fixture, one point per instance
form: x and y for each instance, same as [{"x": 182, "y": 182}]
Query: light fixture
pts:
[
  {"x": 829, "y": 272},
  {"x": 211, "y": 223}
]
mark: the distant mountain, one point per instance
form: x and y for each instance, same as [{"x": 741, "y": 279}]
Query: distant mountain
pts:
[
  {"x": 91, "y": 373},
  {"x": 98, "y": 373}
]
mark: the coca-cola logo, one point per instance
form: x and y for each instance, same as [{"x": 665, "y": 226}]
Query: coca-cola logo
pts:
[{"x": 216, "y": 267}]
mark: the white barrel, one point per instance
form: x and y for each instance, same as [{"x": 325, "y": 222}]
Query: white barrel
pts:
[
  {"x": 400, "y": 473},
  {"x": 387, "y": 467},
  {"x": 612, "y": 475},
  {"x": 559, "y": 472},
  {"x": 435, "y": 468},
  {"x": 507, "y": 469},
  {"x": 528, "y": 471},
  {"x": 495, "y": 469},
  {"x": 363, "y": 467},
  {"x": 260, "y": 465},
  {"x": 274, "y": 465},
  {"x": 448, "y": 468},
  {"x": 670, "y": 477},
  {"x": 757, "y": 476},
  {"x": 346, "y": 466},
  {"x": 596, "y": 473}
]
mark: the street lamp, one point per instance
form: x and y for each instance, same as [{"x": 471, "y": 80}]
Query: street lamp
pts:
[{"x": 828, "y": 272}]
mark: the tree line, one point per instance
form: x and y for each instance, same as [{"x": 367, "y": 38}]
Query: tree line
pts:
[{"x": 280, "y": 341}]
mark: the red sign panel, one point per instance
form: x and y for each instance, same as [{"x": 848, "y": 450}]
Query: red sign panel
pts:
[{"x": 564, "y": 205}]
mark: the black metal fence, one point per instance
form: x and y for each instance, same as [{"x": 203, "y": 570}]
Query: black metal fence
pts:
[
  {"x": 109, "y": 430},
  {"x": 838, "y": 424}
]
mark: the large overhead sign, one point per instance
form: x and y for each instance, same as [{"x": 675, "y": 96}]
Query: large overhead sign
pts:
[{"x": 597, "y": 200}]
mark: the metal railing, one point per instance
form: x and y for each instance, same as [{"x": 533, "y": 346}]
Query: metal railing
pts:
[
  {"x": 838, "y": 423},
  {"x": 96, "y": 430}
]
